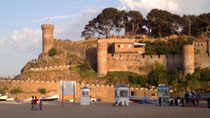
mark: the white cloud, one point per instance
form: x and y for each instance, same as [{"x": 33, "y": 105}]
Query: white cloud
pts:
[
  {"x": 73, "y": 27},
  {"x": 150, "y": 4},
  {"x": 1, "y": 42},
  {"x": 174, "y": 6},
  {"x": 26, "y": 40}
]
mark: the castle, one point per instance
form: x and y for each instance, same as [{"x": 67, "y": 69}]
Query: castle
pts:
[{"x": 127, "y": 55}]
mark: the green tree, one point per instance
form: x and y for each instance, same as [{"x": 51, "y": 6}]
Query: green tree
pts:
[
  {"x": 205, "y": 22},
  {"x": 191, "y": 26},
  {"x": 106, "y": 20},
  {"x": 52, "y": 52},
  {"x": 159, "y": 22},
  {"x": 158, "y": 76},
  {"x": 177, "y": 25},
  {"x": 134, "y": 22}
]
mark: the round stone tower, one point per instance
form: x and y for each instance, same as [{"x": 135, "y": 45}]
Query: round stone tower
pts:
[
  {"x": 47, "y": 37},
  {"x": 102, "y": 58},
  {"x": 188, "y": 59}
]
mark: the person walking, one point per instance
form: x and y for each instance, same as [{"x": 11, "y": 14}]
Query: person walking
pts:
[
  {"x": 40, "y": 104},
  {"x": 187, "y": 97},
  {"x": 182, "y": 98},
  {"x": 35, "y": 103},
  {"x": 197, "y": 97},
  {"x": 175, "y": 98},
  {"x": 193, "y": 98},
  {"x": 32, "y": 103}
]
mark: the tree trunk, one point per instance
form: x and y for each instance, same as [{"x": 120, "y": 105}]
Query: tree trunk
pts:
[
  {"x": 179, "y": 35},
  {"x": 207, "y": 29},
  {"x": 137, "y": 28},
  {"x": 133, "y": 28},
  {"x": 159, "y": 32},
  {"x": 190, "y": 29}
]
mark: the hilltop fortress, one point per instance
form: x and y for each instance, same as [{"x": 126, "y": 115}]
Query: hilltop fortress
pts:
[{"x": 127, "y": 55}]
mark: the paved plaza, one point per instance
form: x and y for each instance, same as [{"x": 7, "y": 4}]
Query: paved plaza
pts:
[{"x": 100, "y": 110}]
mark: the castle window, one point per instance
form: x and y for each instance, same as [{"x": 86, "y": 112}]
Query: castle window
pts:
[
  {"x": 118, "y": 46},
  {"x": 195, "y": 45},
  {"x": 198, "y": 44},
  {"x": 201, "y": 44},
  {"x": 122, "y": 46},
  {"x": 129, "y": 46}
]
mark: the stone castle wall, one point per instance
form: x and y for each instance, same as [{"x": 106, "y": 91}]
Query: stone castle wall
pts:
[
  {"x": 50, "y": 68},
  {"x": 141, "y": 64},
  {"x": 104, "y": 92},
  {"x": 188, "y": 59},
  {"x": 85, "y": 52},
  {"x": 174, "y": 62},
  {"x": 202, "y": 61}
]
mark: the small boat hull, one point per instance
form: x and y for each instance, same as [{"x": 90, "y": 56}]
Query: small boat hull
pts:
[
  {"x": 3, "y": 98},
  {"x": 51, "y": 98},
  {"x": 10, "y": 99}
]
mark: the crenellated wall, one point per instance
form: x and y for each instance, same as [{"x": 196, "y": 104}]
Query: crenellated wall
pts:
[
  {"x": 50, "y": 68},
  {"x": 104, "y": 92}
]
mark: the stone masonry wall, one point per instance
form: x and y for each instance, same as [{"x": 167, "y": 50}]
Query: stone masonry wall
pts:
[
  {"x": 83, "y": 51},
  {"x": 104, "y": 92},
  {"x": 141, "y": 64},
  {"x": 174, "y": 62},
  {"x": 202, "y": 61}
]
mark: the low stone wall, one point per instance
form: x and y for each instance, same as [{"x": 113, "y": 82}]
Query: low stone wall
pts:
[
  {"x": 50, "y": 68},
  {"x": 104, "y": 92}
]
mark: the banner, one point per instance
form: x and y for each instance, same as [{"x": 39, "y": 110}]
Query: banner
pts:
[{"x": 69, "y": 87}]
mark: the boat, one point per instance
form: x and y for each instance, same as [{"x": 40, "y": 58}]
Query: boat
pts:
[
  {"x": 3, "y": 98},
  {"x": 51, "y": 98},
  {"x": 135, "y": 99},
  {"x": 10, "y": 99},
  {"x": 27, "y": 100},
  {"x": 138, "y": 99}
]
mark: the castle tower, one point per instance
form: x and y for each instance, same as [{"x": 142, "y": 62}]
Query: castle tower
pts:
[
  {"x": 102, "y": 58},
  {"x": 47, "y": 37},
  {"x": 188, "y": 59}
]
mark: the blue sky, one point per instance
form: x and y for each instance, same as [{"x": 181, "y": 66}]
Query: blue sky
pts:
[{"x": 20, "y": 22}]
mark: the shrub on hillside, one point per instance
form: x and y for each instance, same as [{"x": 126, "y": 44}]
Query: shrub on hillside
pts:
[
  {"x": 52, "y": 52},
  {"x": 16, "y": 91},
  {"x": 42, "y": 90},
  {"x": 4, "y": 90}
]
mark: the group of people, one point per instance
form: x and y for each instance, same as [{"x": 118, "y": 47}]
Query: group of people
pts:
[
  {"x": 34, "y": 103},
  {"x": 186, "y": 98}
]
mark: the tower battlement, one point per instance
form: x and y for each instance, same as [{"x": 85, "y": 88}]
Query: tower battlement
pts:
[{"x": 47, "y": 27}]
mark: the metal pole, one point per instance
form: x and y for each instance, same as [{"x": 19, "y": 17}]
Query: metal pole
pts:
[
  {"x": 96, "y": 89},
  {"x": 74, "y": 92},
  {"x": 62, "y": 93}
]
